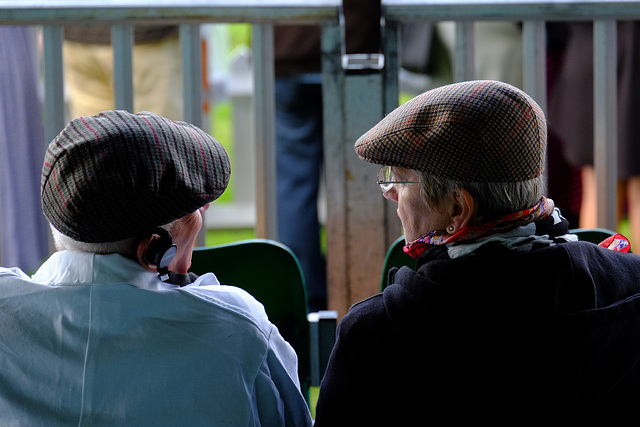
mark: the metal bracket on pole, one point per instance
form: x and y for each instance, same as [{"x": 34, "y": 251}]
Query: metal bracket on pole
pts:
[{"x": 359, "y": 60}]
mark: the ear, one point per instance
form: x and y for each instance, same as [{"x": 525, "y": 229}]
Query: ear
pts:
[
  {"x": 463, "y": 210},
  {"x": 142, "y": 252}
]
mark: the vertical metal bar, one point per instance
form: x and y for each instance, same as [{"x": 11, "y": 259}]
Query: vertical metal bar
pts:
[
  {"x": 54, "y": 119},
  {"x": 322, "y": 327},
  {"x": 264, "y": 116},
  {"x": 122, "y": 43},
  {"x": 390, "y": 43},
  {"x": 365, "y": 209},
  {"x": 353, "y": 103},
  {"x": 463, "y": 55},
  {"x": 390, "y": 40},
  {"x": 334, "y": 166},
  {"x": 191, "y": 53},
  {"x": 605, "y": 122},
  {"x": 191, "y": 57},
  {"x": 54, "y": 108},
  {"x": 534, "y": 61}
]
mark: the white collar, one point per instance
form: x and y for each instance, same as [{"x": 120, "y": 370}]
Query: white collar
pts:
[{"x": 82, "y": 267}]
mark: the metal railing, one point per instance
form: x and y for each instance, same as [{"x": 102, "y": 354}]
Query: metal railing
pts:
[
  {"x": 53, "y": 14},
  {"x": 352, "y": 208},
  {"x": 533, "y": 14}
]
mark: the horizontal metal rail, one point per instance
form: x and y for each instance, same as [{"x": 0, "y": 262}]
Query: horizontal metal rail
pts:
[
  {"x": 31, "y": 12},
  {"x": 510, "y": 10}
]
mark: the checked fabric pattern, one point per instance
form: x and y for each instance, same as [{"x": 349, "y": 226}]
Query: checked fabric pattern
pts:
[
  {"x": 118, "y": 175},
  {"x": 476, "y": 131}
]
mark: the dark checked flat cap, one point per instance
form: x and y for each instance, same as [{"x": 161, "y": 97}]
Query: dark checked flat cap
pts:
[
  {"x": 476, "y": 131},
  {"x": 118, "y": 175}
]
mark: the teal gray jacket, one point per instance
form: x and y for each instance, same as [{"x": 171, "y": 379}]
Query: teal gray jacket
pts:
[{"x": 98, "y": 340}]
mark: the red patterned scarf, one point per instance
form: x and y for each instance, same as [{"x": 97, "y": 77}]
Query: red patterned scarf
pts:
[{"x": 539, "y": 211}]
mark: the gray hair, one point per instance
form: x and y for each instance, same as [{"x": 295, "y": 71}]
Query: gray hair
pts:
[
  {"x": 493, "y": 199},
  {"x": 126, "y": 247}
]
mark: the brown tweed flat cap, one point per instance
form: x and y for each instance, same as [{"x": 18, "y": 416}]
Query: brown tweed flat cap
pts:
[
  {"x": 118, "y": 175},
  {"x": 476, "y": 131}
]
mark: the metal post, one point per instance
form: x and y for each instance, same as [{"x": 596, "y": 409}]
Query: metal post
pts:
[
  {"x": 390, "y": 43},
  {"x": 264, "y": 108},
  {"x": 605, "y": 124},
  {"x": 354, "y": 101},
  {"x": 535, "y": 64},
  {"x": 322, "y": 327},
  {"x": 53, "y": 114},
  {"x": 191, "y": 56},
  {"x": 463, "y": 57},
  {"x": 535, "y": 61},
  {"x": 122, "y": 43},
  {"x": 191, "y": 53}
]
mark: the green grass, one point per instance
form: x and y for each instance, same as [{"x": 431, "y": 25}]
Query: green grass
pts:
[
  {"x": 240, "y": 34},
  {"x": 314, "y": 391},
  {"x": 222, "y": 131},
  {"x": 624, "y": 228},
  {"x": 219, "y": 236}
]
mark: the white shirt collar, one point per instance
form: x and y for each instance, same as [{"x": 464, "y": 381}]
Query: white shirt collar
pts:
[{"x": 82, "y": 267}]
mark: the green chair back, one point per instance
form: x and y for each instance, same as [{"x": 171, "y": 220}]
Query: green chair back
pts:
[
  {"x": 396, "y": 257},
  {"x": 271, "y": 273},
  {"x": 593, "y": 235}
]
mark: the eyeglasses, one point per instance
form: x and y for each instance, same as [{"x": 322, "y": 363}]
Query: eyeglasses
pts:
[{"x": 386, "y": 179}]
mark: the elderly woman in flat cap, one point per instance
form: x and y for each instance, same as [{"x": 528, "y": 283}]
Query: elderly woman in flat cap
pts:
[
  {"x": 507, "y": 317},
  {"x": 112, "y": 330}
]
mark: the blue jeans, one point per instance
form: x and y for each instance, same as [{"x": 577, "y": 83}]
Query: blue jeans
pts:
[{"x": 299, "y": 169}]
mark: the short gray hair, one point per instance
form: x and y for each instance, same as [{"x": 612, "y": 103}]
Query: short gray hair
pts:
[
  {"x": 493, "y": 199},
  {"x": 126, "y": 247}
]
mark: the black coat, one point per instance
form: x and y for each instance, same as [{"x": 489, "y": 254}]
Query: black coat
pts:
[{"x": 549, "y": 335}]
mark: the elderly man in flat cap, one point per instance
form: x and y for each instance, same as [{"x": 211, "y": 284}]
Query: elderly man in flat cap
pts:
[
  {"x": 507, "y": 317},
  {"x": 111, "y": 330}
]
